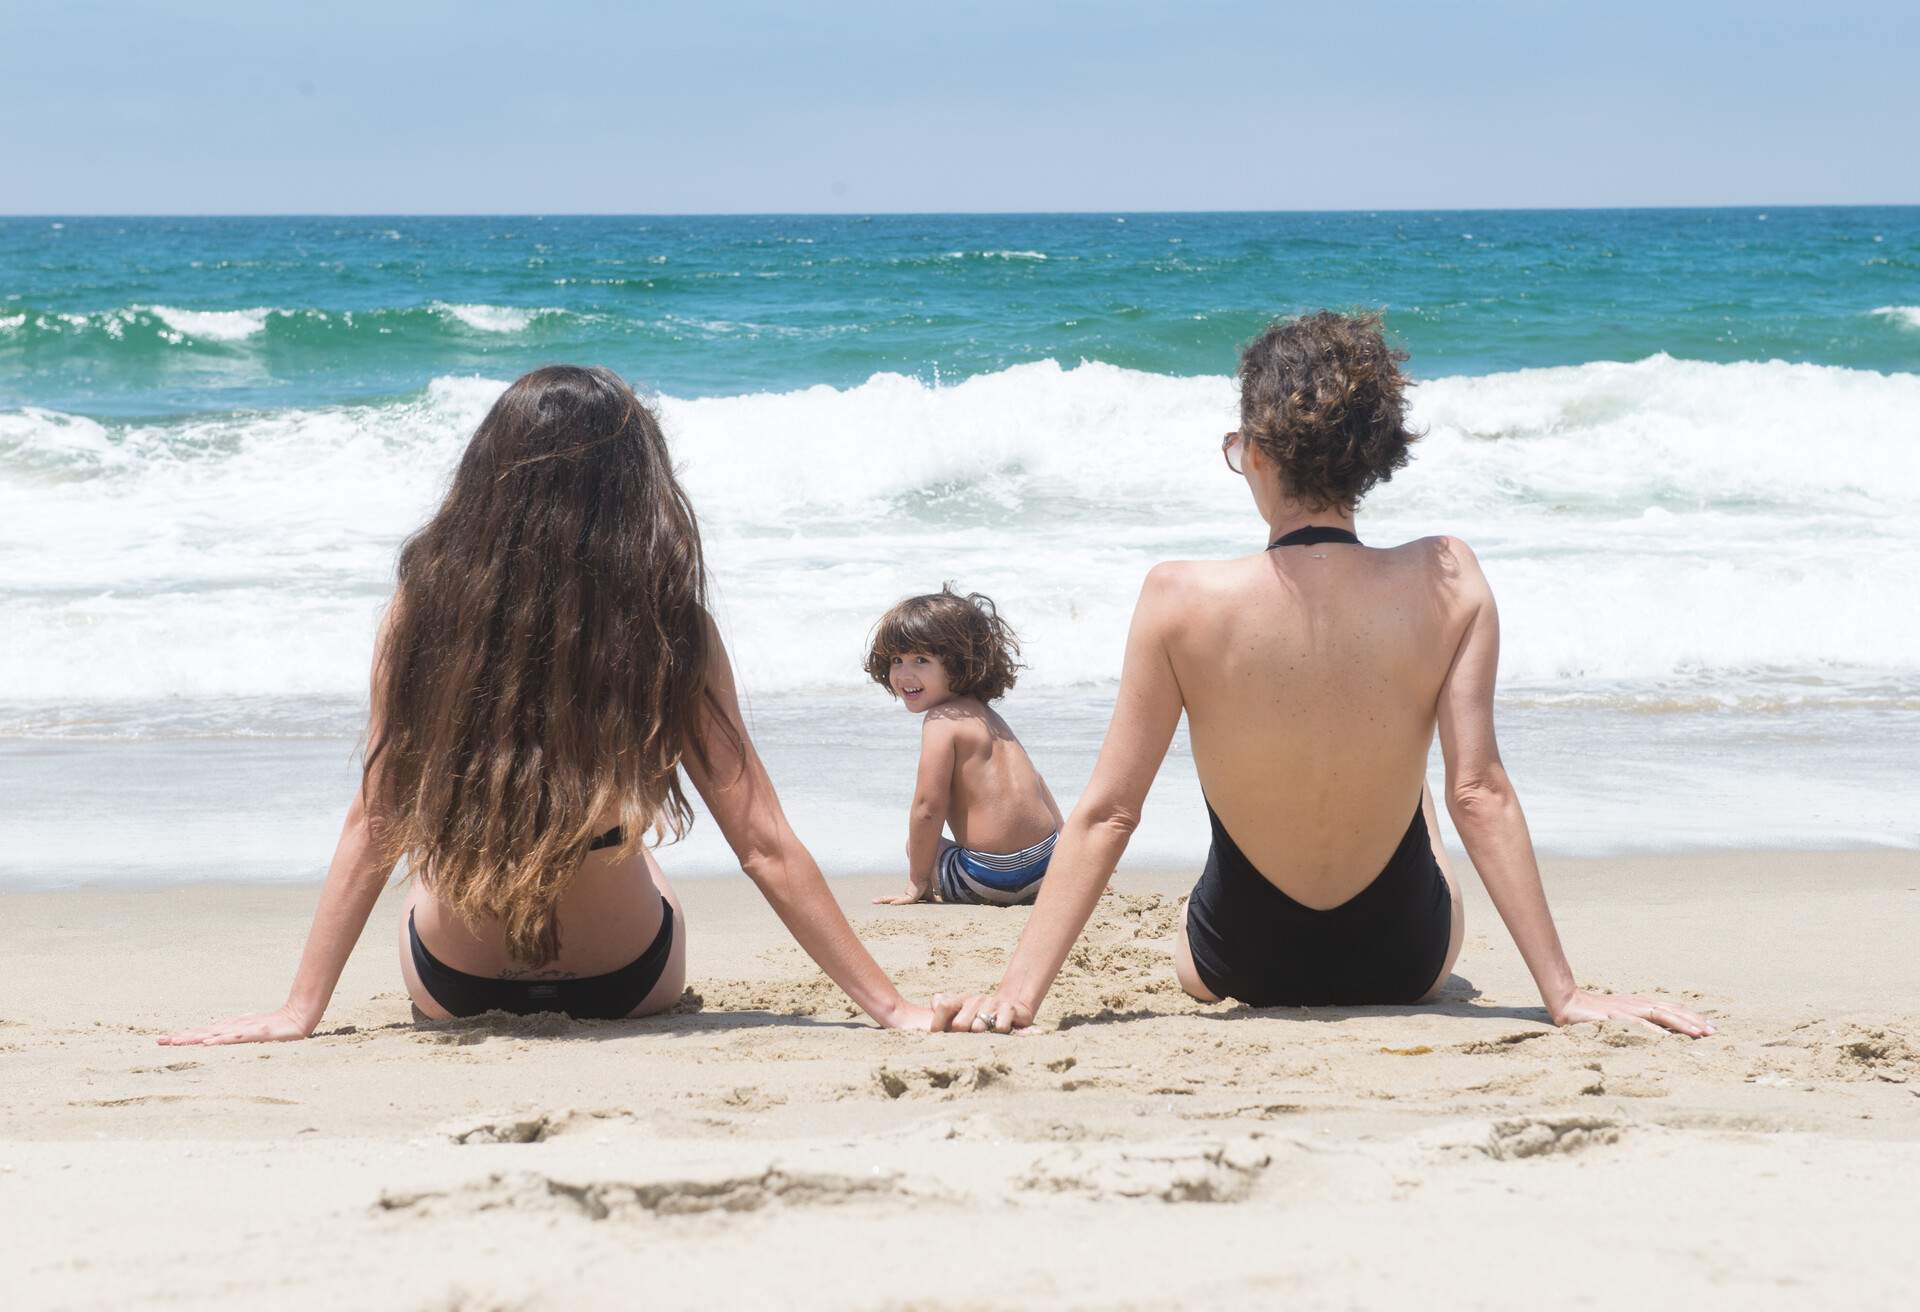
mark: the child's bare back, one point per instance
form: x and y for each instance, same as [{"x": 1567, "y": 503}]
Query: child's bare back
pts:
[{"x": 999, "y": 802}]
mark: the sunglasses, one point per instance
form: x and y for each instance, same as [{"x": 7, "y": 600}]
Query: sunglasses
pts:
[{"x": 1230, "y": 451}]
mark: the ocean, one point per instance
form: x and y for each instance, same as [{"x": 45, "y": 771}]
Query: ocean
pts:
[{"x": 1685, "y": 444}]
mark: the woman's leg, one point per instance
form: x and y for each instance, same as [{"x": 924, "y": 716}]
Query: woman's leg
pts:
[
  {"x": 422, "y": 1000},
  {"x": 1183, "y": 961},
  {"x": 673, "y": 980},
  {"x": 1457, "y": 931}
]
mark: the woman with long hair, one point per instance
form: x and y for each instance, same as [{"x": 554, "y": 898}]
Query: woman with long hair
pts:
[
  {"x": 1313, "y": 675},
  {"x": 545, "y": 671}
]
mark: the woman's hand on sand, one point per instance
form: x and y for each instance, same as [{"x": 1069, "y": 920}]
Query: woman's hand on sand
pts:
[
  {"x": 260, "y": 1027},
  {"x": 980, "y": 1013},
  {"x": 909, "y": 1016},
  {"x": 1656, "y": 1016}
]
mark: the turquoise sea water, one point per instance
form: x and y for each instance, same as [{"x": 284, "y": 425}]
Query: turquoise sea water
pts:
[
  {"x": 1686, "y": 445},
  {"x": 150, "y": 317}
]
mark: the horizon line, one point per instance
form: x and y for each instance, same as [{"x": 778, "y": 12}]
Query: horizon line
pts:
[{"x": 908, "y": 214}]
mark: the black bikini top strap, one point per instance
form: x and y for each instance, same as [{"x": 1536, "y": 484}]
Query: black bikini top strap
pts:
[
  {"x": 612, "y": 838},
  {"x": 1313, "y": 535}
]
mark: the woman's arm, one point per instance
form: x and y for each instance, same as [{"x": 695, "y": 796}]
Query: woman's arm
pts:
[
  {"x": 734, "y": 784},
  {"x": 1144, "y": 717},
  {"x": 932, "y": 795},
  {"x": 1486, "y": 811},
  {"x": 354, "y": 882}
]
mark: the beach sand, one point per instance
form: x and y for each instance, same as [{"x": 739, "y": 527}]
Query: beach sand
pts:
[{"x": 766, "y": 1146}]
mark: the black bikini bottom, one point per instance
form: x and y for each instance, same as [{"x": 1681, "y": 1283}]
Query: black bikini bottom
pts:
[
  {"x": 597, "y": 997},
  {"x": 1385, "y": 944}
]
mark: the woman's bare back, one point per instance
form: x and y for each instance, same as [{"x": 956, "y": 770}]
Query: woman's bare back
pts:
[
  {"x": 608, "y": 912},
  {"x": 1311, "y": 676}
]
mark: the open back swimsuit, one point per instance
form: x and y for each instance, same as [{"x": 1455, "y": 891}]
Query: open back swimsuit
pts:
[
  {"x": 596, "y": 997},
  {"x": 1385, "y": 944}
]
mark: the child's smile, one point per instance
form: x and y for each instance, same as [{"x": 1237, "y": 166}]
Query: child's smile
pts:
[{"x": 919, "y": 679}]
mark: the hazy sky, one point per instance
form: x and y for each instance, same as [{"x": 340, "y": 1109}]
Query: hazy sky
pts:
[{"x": 420, "y": 106}]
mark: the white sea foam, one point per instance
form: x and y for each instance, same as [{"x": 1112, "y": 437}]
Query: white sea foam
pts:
[
  {"x": 492, "y": 318},
  {"x": 995, "y": 255},
  {"x": 178, "y": 326},
  {"x": 211, "y": 325},
  {"x": 1716, "y": 528},
  {"x": 1907, "y": 316},
  {"x": 47, "y": 444}
]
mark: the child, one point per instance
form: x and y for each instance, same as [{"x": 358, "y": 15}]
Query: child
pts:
[{"x": 945, "y": 657}]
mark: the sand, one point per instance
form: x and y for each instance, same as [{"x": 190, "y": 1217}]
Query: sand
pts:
[{"x": 766, "y": 1146}]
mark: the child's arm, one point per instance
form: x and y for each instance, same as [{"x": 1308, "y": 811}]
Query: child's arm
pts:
[
  {"x": 932, "y": 796},
  {"x": 355, "y": 879}
]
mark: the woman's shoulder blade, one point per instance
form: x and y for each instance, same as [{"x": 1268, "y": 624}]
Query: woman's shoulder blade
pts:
[{"x": 1179, "y": 576}]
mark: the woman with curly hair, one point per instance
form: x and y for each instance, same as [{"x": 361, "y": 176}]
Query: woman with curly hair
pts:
[
  {"x": 544, "y": 675},
  {"x": 1313, "y": 674}
]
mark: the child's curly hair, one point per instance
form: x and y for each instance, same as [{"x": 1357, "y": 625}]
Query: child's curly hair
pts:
[
  {"x": 975, "y": 645},
  {"x": 1323, "y": 397}
]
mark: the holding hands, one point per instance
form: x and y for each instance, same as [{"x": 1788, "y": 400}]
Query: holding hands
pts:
[{"x": 980, "y": 1013}]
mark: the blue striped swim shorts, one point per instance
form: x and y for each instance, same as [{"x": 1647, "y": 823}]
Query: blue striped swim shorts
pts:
[{"x": 968, "y": 876}]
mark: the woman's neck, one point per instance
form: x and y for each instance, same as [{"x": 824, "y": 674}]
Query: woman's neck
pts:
[{"x": 1290, "y": 516}]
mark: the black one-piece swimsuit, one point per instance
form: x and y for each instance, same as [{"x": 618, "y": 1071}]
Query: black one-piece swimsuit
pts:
[{"x": 1385, "y": 944}]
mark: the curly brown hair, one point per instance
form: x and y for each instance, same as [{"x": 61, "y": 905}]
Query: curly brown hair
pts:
[
  {"x": 977, "y": 647},
  {"x": 1322, "y": 396}
]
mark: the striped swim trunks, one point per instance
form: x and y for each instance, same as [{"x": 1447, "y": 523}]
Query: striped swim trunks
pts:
[{"x": 1009, "y": 880}]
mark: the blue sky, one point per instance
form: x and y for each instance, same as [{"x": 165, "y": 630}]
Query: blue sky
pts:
[{"x": 427, "y": 106}]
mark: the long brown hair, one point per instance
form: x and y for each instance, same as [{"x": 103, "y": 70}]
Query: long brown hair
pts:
[{"x": 545, "y": 657}]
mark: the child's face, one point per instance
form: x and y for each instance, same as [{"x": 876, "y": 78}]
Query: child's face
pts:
[{"x": 920, "y": 680}]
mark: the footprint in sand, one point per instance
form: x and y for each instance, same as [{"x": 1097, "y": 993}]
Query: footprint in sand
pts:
[
  {"x": 948, "y": 1081},
  {"x": 524, "y": 1127},
  {"x": 1200, "y": 1173},
  {"x": 1537, "y": 1136},
  {"x": 600, "y": 1200},
  {"x": 1259, "y": 1111}
]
